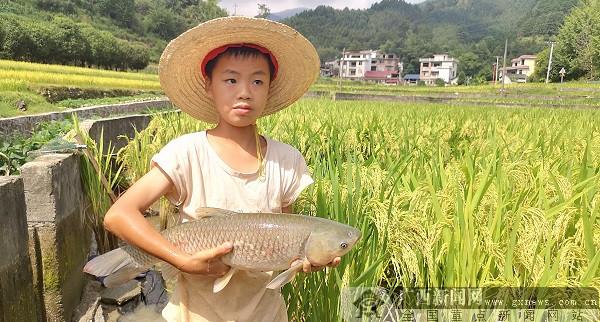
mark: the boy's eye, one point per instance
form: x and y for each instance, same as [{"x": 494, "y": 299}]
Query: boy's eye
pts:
[
  {"x": 230, "y": 81},
  {"x": 258, "y": 82}
]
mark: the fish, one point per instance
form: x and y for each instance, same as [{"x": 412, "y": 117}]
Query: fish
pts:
[{"x": 261, "y": 242}]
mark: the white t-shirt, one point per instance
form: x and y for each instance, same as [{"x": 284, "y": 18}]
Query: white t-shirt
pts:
[{"x": 202, "y": 179}]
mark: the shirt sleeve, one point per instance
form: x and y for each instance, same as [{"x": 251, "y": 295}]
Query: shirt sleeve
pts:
[
  {"x": 299, "y": 179},
  {"x": 173, "y": 161}
]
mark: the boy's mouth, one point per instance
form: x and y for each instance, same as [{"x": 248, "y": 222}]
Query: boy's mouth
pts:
[{"x": 242, "y": 106}]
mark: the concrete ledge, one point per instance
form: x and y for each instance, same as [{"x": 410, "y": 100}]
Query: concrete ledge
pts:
[
  {"x": 59, "y": 240},
  {"x": 25, "y": 124},
  {"x": 17, "y": 297},
  {"x": 114, "y": 130}
]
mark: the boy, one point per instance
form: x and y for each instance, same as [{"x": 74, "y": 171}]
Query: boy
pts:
[{"x": 228, "y": 71}]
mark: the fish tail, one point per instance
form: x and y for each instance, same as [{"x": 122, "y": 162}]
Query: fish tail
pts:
[{"x": 117, "y": 265}]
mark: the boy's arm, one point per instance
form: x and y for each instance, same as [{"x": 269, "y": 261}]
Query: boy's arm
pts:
[{"x": 126, "y": 220}]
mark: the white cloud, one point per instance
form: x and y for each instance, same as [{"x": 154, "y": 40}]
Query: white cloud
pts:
[{"x": 249, "y": 8}]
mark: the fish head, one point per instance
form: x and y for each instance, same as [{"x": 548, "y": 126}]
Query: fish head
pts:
[{"x": 329, "y": 242}]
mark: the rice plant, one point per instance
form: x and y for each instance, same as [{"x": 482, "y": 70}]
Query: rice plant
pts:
[{"x": 446, "y": 196}]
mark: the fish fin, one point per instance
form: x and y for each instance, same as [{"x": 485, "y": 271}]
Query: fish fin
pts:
[
  {"x": 108, "y": 263},
  {"x": 123, "y": 275},
  {"x": 213, "y": 212},
  {"x": 221, "y": 282},
  {"x": 287, "y": 276},
  {"x": 169, "y": 272}
]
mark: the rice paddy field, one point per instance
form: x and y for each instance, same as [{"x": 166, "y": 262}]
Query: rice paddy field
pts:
[
  {"x": 445, "y": 196},
  {"x": 467, "y": 194},
  {"x": 24, "y": 81}
]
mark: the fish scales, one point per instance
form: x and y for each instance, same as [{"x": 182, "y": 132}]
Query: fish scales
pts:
[{"x": 261, "y": 241}]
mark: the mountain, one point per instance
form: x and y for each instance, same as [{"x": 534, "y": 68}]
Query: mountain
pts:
[
  {"x": 277, "y": 16},
  {"x": 114, "y": 34},
  {"x": 474, "y": 31}
]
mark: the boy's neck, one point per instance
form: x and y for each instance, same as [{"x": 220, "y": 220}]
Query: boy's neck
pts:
[{"x": 243, "y": 136}]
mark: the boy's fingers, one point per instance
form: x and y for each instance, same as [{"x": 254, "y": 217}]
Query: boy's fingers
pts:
[
  {"x": 217, "y": 268},
  {"x": 220, "y": 250},
  {"x": 306, "y": 266},
  {"x": 335, "y": 262}
]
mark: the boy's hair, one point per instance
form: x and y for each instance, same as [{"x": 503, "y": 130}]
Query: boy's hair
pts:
[{"x": 240, "y": 52}]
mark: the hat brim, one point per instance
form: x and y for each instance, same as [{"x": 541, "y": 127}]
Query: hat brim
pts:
[{"x": 180, "y": 64}]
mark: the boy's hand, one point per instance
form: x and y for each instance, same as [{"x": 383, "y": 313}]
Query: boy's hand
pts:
[
  {"x": 307, "y": 267},
  {"x": 207, "y": 262}
]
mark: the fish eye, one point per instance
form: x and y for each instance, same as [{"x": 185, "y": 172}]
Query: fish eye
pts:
[{"x": 343, "y": 245}]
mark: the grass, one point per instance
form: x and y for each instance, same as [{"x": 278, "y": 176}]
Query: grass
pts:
[
  {"x": 446, "y": 196},
  {"x": 23, "y": 81}
]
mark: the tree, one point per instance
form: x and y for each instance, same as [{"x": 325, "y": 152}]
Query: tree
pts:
[
  {"x": 121, "y": 11},
  {"x": 263, "y": 11},
  {"x": 164, "y": 23},
  {"x": 203, "y": 11},
  {"x": 578, "y": 41}
]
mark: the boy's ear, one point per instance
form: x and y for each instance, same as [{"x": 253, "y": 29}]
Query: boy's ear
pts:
[{"x": 208, "y": 88}]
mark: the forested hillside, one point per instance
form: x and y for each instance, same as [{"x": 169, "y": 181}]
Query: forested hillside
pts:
[
  {"x": 471, "y": 30},
  {"x": 130, "y": 34},
  {"x": 115, "y": 34}
]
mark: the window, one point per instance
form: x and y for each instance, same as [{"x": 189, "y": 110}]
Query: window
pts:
[
  {"x": 355, "y": 56},
  {"x": 352, "y": 72},
  {"x": 373, "y": 68},
  {"x": 436, "y": 64},
  {"x": 353, "y": 64},
  {"x": 359, "y": 63},
  {"x": 425, "y": 64}
]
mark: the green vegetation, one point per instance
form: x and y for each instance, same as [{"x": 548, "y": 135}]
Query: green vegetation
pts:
[
  {"x": 14, "y": 151},
  {"x": 472, "y": 31},
  {"x": 68, "y": 87},
  {"x": 577, "y": 48},
  {"x": 444, "y": 196},
  {"x": 113, "y": 34}
]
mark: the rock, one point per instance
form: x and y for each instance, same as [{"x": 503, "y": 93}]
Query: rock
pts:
[
  {"x": 121, "y": 294},
  {"x": 143, "y": 313},
  {"x": 21, "y": 105},
  {"x": 153, "y": 290},
  {"x": 88, "y": 308}
]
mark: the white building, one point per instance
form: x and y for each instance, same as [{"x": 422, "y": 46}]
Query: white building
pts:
[
  {"x": 520, "y": 68},
  {"x": 439, "y": 67},
  {"x": 354, "y": 65}
]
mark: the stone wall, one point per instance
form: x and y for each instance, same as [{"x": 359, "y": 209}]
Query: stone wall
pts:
[
  {"x": 23, "y": 125},
  {"x": 17, "y": 297},
  {"x": 45, "y": 243},
  {"x": 59, "y": 240}
]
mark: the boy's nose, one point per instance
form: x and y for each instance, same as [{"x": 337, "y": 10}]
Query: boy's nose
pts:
[{"x": 244, "y": 92}]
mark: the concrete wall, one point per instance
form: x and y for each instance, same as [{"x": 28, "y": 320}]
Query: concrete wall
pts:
[
  {"x": 59, "y": 240},
  {"x": 17, "y": 297},
  {"x": 23, "y": 125},
  {"x": 112, "y": 130}
]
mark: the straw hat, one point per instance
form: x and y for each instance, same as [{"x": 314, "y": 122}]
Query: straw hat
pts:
[{"x": 180, "y": 68}]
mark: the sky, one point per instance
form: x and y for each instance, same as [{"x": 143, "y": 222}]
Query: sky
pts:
[{"x": 250, "y": 8}]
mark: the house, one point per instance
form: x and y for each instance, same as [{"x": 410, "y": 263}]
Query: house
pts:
[
  {"x": 383, "y": 76},
  {"x": 438, "y": 67},
  {"x": 411, "y": 79},
  {"x": 354, "y": 65},
  {"x": 330, "y": 68},
  {"x": 520, "y": 68}
]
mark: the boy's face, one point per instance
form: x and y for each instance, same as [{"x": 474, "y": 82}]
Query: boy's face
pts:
[{"x": 239, "y": 87}]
